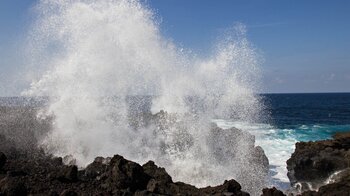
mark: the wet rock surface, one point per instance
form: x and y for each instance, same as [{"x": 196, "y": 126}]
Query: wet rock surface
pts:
[
  {"x": 231, "y": 150},
  {"x": 321, "y": 167},
  {"x": 272, "y": 192},
  {"x": 25, "y": 169},
  {"x": 23, "y": 162},
  {"x": 35, "y": 173}
]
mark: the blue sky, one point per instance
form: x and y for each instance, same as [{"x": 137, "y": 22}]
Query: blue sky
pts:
[{"x": 305, "y": 44}]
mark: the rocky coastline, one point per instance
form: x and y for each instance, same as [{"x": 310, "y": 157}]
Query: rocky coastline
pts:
[
  {"x": 34, "y": 173},
  {"x": 25, "y": 169},
  {"x": 315, "y": 168},
  {"x": 321, "y": 167}
]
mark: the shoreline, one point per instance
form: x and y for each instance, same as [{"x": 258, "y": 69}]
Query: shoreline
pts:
[
  {"x": 32, "y": 171},
  {"x": 21, "y": 149}
]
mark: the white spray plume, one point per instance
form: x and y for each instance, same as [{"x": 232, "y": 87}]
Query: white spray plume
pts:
[{"x": 97, "y": 53}]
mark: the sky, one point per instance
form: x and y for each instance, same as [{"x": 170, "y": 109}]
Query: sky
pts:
[{"x": 305, "y": 44}]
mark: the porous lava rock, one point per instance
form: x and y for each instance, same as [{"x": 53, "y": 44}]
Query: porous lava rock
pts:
[
  {"x": 25, "y": 168},
  {"x": 36, "y": 173},
  {"x": 272, "y": 192},
  {"x": 321, "y": 165}
]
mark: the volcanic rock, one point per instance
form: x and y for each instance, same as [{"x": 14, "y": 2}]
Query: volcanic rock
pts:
[
  {"x": 96, "y": 168},
  {"x": 10, "y": 186},
  {"x": 272, "y": 192},
  {"x": 40, "y": 174},
  {"x": 230, "y": 187},
  {"x": 127, "y": 174},
  {"x": 68, "y": 174},
  {"x": 30, "y": 170},
  {"x": 313, "y": 164},
  {"x": 157, "y": 173}
]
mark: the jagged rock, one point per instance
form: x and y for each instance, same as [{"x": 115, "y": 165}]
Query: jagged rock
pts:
[
  {"x": 338, "y": 184},
  {"x": 341, "y": 188},
  {"x": 68, "y": 174},
  {"x": 10, "y": 186},
  {"x": 342, "y": 140},
  {"x": 127, "y": 174},
  {"x": 313, "y": 164},
  {"x": 231, "y": 138},
  {"x": 260, "y": 158},
  {"x": 159, "y": 187},
  {"x": 3, "y": 159},
  {"x": 238, "y": 147},
  {"x": 316, "y": 161},
  {"x": 160, "y": 179},
  {"x": 230, "y": 187},
  {"x": 158, "y": 173},
  {"x": 58, "y": 161},
  {"x": 340, "y": 176},
  {"x": 272, "y": 192},
  {"x": 115, "y": 176},
  {"x": 43, "y": 174},
  {"x": 96, "y": 168},
  {"x": 225, "y": 146},
  {"x": 180, "y": 188},
  {"x": 69, "y": 160},
  {"x": 335, "y": 189}
]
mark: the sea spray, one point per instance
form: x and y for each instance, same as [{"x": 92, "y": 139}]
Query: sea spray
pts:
[{"x": 94, "y": 54}]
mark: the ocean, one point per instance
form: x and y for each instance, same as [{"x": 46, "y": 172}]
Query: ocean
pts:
[{"x": 294, "y": 118}]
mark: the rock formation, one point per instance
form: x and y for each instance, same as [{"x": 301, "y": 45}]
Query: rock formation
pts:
[
  {"x": 321, "y": 166},
  {"x": 27, "y": 169},
  {"x": 45, "y": 175}
]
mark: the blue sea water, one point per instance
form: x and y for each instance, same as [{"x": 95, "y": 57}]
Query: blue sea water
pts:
[
  {"x": 332, "y": 108},
  {"x": 293, "y": 118},
  {"x": 311, "y": 116},
  {"x": 288, "y": 118}
]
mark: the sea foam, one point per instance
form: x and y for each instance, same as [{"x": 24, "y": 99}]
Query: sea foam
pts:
[{"x": 91, "y": 55}]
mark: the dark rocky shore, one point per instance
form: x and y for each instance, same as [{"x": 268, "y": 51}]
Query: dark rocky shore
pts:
[
  {"x": 321, "y": 167},
  {"x": 34, "y": 173},
  {"x": 315, "y": 168},
  {"x": 25, "y": 169}
]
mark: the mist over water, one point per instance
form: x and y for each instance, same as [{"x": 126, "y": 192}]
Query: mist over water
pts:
[{"x": 92, "y": 55}]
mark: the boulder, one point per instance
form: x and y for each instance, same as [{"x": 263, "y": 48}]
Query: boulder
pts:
[
  {"x": 230, "y": 187},
  {"x": 160, "y": 179},
  {"x": 57, "y": 161},
  {"x": 272, "y": 192},
  {"x": 313, "y": 163},
  {"x": 336, "y": 189},
  {"x": 157, "y": 173},
  {"x": 238, "y": 148},
  {"x": 341, "y": 188},
  {"x": 127, "y": 174},
  {"x": 68, "y": 174},
  {"x": 97, "y": 168}
]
